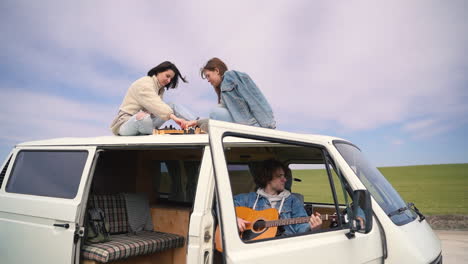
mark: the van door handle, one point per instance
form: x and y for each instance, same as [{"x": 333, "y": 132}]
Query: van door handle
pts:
[
  {"x": 207, "y": 236},
  {"x": 66, "y": 226}
]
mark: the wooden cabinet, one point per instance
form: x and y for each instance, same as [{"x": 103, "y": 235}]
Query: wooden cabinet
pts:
[{"x": 173, "y": 220}]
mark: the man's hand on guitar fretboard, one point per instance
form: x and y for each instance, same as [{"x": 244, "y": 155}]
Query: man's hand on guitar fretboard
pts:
[{"x": 315, "y": 221}]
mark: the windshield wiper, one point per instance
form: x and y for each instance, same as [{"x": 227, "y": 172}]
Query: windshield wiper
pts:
[
  {"x": 398, "y": 211},
  {"x": 415, "y": 209}
]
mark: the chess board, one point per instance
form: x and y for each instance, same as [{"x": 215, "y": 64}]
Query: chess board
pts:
[{"x": 174, "y": 131}]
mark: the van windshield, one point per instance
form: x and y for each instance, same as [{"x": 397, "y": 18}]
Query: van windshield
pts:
[{"x": 382, "y": 191}]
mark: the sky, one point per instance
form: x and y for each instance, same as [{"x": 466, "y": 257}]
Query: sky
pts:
[{"x": 390, "y": 76}]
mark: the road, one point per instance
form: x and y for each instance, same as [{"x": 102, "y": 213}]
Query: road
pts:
[{"x": 454, "y": 246}]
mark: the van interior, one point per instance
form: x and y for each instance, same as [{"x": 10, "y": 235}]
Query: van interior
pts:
[{"x": 168, "y": 176}]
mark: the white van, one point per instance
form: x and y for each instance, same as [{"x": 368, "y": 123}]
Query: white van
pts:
[{"x": 189, "y": 182}]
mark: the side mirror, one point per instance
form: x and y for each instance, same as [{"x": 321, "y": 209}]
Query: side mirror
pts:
[
  {"x": 362, "y": 209},
  {"x": 361, "y": 218}
]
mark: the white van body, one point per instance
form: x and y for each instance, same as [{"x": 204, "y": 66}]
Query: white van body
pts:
[{"x": 37, "y": 228}]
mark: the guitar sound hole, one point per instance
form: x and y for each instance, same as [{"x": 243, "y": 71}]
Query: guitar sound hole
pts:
[{"x": 259, "y": 225}]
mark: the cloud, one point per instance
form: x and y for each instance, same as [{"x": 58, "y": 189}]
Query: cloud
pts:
[
  {"x": 44, "y": 116},
  {"x": 427, "y": 128},
  {"x": 371, "y": 65},
  {"x": 419, "y": 125},
  {"x": 352, "y": 66}
]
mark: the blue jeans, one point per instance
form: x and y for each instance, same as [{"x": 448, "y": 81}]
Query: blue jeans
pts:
[
  {"x": 221, "y": 113},
  {"x": 145, "y": 126}
]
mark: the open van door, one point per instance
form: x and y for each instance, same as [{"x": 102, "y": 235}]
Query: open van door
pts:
[
  {"x": 233, "y": 146},
  {"x": 40, "y": 204}
]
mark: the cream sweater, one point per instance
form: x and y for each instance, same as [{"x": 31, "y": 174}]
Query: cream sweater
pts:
[{"x": 145, "y": 94}]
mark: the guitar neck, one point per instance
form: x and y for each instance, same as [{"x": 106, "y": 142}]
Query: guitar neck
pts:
[{"x": 298, "y": 220}]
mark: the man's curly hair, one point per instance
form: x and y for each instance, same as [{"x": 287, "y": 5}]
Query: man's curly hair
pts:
[{"x": 265, "y": 175}]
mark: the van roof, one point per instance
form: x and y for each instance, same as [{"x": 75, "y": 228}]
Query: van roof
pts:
[{"x": 199, "y": 139}]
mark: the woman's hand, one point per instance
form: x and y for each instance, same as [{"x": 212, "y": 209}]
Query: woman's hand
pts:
[
  {"x": 192, "y": 123},
  {"x": 180, "y": 121},
  {"x": 315, "y": 221}
]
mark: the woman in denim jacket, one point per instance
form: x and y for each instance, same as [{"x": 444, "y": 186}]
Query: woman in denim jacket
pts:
[
  {"x": 272, "y": 194},
  {"x": 239, "y": 99}
]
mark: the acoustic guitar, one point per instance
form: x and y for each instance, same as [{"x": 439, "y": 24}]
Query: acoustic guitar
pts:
[{"x": 263, "y": 223}]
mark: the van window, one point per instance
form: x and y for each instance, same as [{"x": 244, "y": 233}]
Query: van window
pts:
[
  {"x": 47, "y": 173},
  {"x": 167, "y": 175},
  {"x": 176, "y": 180},
  {"x": 241, "y": 178},
  {"x": 381, "y": 190},
  {"x": 306, "y": 187},
  {"x": 314, "y": 180}
]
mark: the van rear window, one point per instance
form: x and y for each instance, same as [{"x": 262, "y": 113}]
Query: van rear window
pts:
[
  {"x": 176, "y": 180},
  {"x": 47, "y": 173}
]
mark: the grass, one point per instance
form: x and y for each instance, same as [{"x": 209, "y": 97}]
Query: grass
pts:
[{"x": 435, "y": 189}]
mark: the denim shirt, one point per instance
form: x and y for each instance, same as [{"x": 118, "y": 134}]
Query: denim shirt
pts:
[
  {"x": 292, "y": 208},
  {"x": 244, "y": 101}
]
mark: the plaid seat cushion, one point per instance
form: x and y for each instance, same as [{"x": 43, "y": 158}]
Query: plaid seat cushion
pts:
[
  {"x": 115, "y": 209},
  {"x": 124, "y": 246}
]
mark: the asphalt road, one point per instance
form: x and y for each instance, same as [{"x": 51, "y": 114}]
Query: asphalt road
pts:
[{"x": 454, "y": 246}]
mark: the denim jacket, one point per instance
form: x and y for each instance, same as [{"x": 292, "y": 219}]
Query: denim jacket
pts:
[
  {"x": 245, "y": 101},
  {"x": 292, "y": 208}
]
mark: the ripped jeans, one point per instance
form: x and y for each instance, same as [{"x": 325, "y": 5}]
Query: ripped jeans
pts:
[{"x": 145, "y": 126}]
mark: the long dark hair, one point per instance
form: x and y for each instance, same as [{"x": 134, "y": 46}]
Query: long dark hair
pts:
[
  {"x": 164, "y": 66},
  {"x": 211, "y": 65}
]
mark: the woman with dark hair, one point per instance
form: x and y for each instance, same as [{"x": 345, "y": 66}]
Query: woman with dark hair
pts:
[
  {"x": 143, "y": 107},
  {"x": 239, "y": 99}
]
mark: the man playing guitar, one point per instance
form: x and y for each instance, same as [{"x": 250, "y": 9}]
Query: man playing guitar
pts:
[{"x": 272, "y": 194}]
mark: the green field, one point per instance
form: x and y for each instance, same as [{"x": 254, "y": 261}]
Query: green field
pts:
[{"x": 435, "y": 189}]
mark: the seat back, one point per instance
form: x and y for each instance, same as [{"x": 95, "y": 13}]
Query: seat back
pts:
[
  {"x": 299, "y": 196},
  {"x": 115, "y": 211}
]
